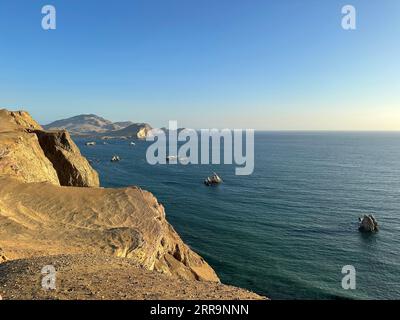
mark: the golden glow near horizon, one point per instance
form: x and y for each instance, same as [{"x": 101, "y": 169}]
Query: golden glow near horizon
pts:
[{"x": 358, "y": 119}]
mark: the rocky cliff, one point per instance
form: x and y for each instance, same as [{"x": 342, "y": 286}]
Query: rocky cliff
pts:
[
  {"x": 72, "y": 169},
  {"x": 31, "y": 154},
  {"x": 127, "y": 223},
  {"x": 39, "y": 216},
  {"x": 21, "y": 155}
]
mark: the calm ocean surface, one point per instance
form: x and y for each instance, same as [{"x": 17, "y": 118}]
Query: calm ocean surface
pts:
[{"x": 287, "y": 230}]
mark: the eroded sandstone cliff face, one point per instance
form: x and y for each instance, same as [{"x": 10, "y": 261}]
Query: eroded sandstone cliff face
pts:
[
  {"x": 21, "y": 155},
  {"x": 34, "y": 155},
  {"x": 127, "y": 223},
  {"x": 71, "y": 167},
  {"x": 21, "y": 120},
  {"x": 38, "y": 217}
]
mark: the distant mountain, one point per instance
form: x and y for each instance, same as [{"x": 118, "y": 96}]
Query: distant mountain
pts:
[
  {"x": 122, "y": 124},
  {"x": 91, "y": 125},
  {"x": 135, "y": 130}
]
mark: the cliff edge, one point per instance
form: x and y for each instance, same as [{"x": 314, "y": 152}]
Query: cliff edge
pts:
[
  {"x": 44, "y": 209},
  {"x": 89, "y": 277},
  {"x": 104, "y": 243},
  {"x": 32, "y": 154}
]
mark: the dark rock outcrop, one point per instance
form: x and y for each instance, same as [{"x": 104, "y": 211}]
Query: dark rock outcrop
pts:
[
  {"x": 368, "y": 224},
  {"x": 71, "y": 167}
]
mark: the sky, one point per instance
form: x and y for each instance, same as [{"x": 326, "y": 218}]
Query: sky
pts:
[{"x": 260, "y": 64}]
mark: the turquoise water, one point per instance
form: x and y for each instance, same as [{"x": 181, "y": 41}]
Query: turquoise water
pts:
[{"x": 287, "y": 230}]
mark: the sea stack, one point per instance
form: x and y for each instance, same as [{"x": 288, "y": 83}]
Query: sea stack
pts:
[{"x": 368, "y": 223}]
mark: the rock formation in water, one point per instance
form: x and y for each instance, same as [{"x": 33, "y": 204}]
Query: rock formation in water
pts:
[
  {"x": 44, "y": 210},
  {"x": 368, "y": 224}
]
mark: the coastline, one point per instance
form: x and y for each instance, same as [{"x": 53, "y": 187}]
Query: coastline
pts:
[{"x": 61, "y": 209}]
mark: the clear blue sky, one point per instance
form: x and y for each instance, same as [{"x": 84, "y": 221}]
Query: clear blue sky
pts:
[{"x": 259, "y": 64}]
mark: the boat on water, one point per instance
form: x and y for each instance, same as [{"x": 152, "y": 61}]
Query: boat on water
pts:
[
  {"x": 213, "y": 180},
  {"x": 115, "y": 159},
  {"x": 91, "y": 143},
  {"x": 171, "y": 158},
  {"x": 182, "y": 160}
]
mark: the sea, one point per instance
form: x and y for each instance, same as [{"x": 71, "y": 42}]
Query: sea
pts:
[{"x": 287, "y": 230}]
